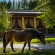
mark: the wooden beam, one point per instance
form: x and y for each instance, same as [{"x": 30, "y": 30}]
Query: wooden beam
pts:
[
  {"x": 22, "y": 16},
  {"x": 22, "y": 22},
  {"x": 35, "y": 22}
]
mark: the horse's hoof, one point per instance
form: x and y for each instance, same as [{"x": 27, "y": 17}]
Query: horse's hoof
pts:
[
  {"x": 21, "y": 53},
  {"x": 14, "y": 50},
  {"x": 4, "y": 52}
]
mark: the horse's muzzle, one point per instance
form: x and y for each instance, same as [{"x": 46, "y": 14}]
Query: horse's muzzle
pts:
[{"x": 43, "y": 41}]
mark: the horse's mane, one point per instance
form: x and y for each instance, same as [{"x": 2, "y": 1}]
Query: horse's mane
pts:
[{"x": 35, "y": 33}]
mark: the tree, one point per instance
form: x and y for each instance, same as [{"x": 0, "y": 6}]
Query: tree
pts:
[
  {"x": 33, "y": 4},
  {"x": 18, "y": 4},
  {"x": 48, "y": 6},
  {"x": 0, "y": 4},
  {"x": 52, "y": 5},
  {"x": 5, "y": 0},
  {"x": 22, "y": 4},
  {"x": 3, "y": 4},
  {"x": 9, "y": 5},
  {"x": 13, "y": 4},
  {"x": 4, "y": 22}
]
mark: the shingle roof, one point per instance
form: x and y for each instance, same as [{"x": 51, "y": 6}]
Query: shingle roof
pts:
[{"x": 23, "y": 11}]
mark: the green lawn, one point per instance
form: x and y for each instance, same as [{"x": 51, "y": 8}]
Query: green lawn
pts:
[
  {"x": 26, "y": 52},
  {"x": 33, "y": 41}
]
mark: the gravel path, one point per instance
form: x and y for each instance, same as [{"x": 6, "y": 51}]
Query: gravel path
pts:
[{"x": 33, "y": 46}]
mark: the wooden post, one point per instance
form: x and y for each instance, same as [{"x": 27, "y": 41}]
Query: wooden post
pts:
[
  {"x": 11, "y": 22},
  {"x": 22, "y": 22},
  {"x": 35, "y": 22}
]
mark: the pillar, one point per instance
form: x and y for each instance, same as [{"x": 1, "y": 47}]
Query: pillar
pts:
[
  {"x": 11, "y": 22},
  {"x": 22, "y": 22},
  {"x": 35, "y": 22}
]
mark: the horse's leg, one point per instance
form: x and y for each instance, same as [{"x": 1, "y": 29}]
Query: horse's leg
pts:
[
  {"x": 5, "y": 44},
  {"x": 4, "y": 48},
  {"x": 12, "y": 46},
  {"x": 29, "y": 45},
  {"x": 24, "y": 47}
]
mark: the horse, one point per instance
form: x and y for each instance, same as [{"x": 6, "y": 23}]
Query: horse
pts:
[{"x": 22, "y": 36}]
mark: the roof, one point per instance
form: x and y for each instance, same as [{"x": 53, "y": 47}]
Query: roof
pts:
[{"x": 23, "y": 12}]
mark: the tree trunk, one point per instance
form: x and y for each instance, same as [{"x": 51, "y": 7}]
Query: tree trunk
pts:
[{"x": 1, "y": 35}]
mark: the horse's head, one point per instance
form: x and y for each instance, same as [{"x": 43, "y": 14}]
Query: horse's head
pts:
[
  {"x": 38, "y": 35},
  {"x": 42, "y": 38}
]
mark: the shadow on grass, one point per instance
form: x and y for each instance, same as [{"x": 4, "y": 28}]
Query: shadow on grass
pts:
[{"x": 26, "y": 52}]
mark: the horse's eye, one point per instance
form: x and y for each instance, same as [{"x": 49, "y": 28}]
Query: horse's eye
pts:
[{"x": 43, "y": 36}]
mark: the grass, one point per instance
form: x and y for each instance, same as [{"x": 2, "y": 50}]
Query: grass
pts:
[
  {"x": 34, "y": 41},
  {"x": 32, "y": 52},
  {"x": 50, "y": 40},
  {"x": 26, "y": 52}
]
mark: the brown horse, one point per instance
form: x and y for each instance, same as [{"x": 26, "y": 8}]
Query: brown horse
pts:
[{"x": 21, "y": 36}]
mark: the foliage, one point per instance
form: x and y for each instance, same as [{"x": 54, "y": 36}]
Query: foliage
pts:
[
  {"x": 9, "y": 4},
  {"x": 4, "y": 22},
  {"x": 48, "y": 6},
  {"x": 3, "y": 4},
  {"x": 24, "y": 4},
  {"x": 33, "y": 4},
  {"x": 13, "y": 4},
  {"x": 49, "y": 18},
  {"x": 18, "y": 4},
  {"x": 52, "y": 5}
]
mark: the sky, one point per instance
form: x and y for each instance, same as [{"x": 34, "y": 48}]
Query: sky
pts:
[{"x": 10, "y": 0}]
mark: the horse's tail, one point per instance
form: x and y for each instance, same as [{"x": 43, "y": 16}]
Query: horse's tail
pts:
[{"x": 4, "y": 40}]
